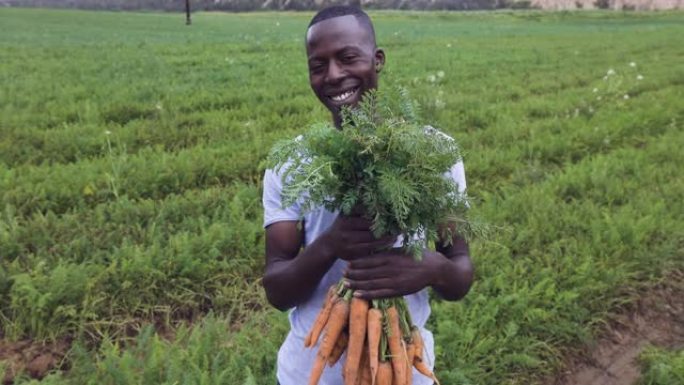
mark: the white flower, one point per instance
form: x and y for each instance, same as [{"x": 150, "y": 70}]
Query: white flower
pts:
[
  {"x": 277, "y": 24},
  {"x": 598, "y": 98},
  {"x": 431, "y": 78},
  {"x": 595, "y": 90},
  {"x": 448, "y": 45},
  {"x": 440, "y": 74},
  {"x": 626, "y": 97},
  {"x": 605, "y": 77},
  {"x": 632, "y": 64},
  {"x": 158, "y": 106},
  {"x": 639, "y": 77},
  {"x": 610, "y": 72},
  {"x": 107, "y": 132}
]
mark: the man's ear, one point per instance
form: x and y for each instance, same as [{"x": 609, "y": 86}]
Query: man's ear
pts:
[{"x": 379, "y": 60}]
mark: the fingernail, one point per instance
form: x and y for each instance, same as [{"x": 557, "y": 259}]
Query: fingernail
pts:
[
  {"x": 358, "y": 294},
  {"x": 346, "y": 283}
]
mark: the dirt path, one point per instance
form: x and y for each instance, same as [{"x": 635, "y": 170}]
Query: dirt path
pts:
[{"x": 657, "y": 318}]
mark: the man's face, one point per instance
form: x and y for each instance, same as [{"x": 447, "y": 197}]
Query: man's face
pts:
[{"x": 343, "y": 61}]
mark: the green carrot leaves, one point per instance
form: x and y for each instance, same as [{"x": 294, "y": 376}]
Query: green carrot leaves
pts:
[{"x": 383, "y": 158}]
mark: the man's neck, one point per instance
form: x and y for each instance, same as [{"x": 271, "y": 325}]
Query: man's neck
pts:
[{"x": 337, "y": 121}]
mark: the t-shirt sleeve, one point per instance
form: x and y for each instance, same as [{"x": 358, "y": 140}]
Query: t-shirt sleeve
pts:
[
  {"x": 273, "y": 210},
  {"x": 457, "y": 174}
]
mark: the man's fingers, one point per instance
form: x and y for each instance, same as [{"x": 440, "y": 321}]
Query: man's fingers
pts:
[
  {"x": 368, "y": 274},
  {"x": 355, "y": 223},
  {"x": 370, "y": 261},
  {"x": 371, "y": 284},
  {"x": 361, "y": 250},
  {"x": 376, "y": 294}
]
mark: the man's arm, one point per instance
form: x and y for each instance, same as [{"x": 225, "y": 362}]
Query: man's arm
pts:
[
  {"x": 455, "y": 275},
  {"x": 292, "y": 275}
]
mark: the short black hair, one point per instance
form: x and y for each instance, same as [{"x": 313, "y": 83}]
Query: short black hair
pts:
[{"x": 344, "y": 10}]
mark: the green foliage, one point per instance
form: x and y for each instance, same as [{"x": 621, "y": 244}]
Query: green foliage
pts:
[
  {"x": 383, "y": 159},
  {"x": 660, "y": 367},
  {"x": 207, "y": 353},
  {"x": 163, "y": 225}
]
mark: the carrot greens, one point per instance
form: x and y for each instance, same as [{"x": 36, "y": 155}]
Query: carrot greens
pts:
[{"x": 384, "y": 159}]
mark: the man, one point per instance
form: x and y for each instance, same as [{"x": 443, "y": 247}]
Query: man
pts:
[{"x": 304, "y": 258}]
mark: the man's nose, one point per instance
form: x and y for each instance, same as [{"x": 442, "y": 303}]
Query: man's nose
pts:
[{"x": 335, "y": 72}]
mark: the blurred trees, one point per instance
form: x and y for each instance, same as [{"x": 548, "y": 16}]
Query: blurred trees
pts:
[{"x": 252, "y": 5}]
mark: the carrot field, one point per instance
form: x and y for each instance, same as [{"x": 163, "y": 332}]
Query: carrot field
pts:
[{"x": 131, "y": 245}]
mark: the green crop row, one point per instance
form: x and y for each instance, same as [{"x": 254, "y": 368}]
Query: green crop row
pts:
[
  {"x": 150, "y": 174},
  {"x": 153, "y": 173},
  {"x": 92, "y": 234},
  {"x": 128, "y": 261}
]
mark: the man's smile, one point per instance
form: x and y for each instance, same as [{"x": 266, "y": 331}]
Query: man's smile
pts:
[{"x": 344, "y": 96}]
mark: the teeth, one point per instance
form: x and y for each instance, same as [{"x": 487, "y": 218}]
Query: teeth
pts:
[{"x": 343, "y": 96}]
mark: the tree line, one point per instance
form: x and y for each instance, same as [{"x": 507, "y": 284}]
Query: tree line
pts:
[{"x": 255, "y": 5}]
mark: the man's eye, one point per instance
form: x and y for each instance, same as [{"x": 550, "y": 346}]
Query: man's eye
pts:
[
  {"x": 348, "y": 58},
  {"x": 316, "y": 68}
]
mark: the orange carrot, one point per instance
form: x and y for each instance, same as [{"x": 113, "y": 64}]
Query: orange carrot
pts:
[
  {"x": 339, "y": 316},
  {"x": 410, "y": 353},
  {"x": 396, "y": 348},
  {"x": 359, "y": 373},
  {"x": 417, "y": 339},
  {"x": 364, "y": 368},
  {"x": 424, "y": 370},
  {"x": 384, "y": 373},
  {"x": 358, "y": 320},
  {"x": 339, "y": 348},
  {"x": 374, "y": 332},
  {"x": 322, "y": 318}
]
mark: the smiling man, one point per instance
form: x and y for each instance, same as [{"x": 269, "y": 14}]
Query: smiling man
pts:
[
  {"x": 344, "y": 60},
  {"x": 304, "y": 257}
]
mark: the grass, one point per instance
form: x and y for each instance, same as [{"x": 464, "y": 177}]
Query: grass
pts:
[
  {"x": 662, "y": 367},
  {"x": 129, "y": 174}
]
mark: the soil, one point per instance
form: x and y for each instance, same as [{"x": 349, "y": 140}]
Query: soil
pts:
[
  {"x": 655, "y": 319},
  {"x": 35, "y": 359}
]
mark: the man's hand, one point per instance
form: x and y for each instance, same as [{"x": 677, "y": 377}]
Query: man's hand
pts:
[
  {"x": 392, "y": 273},
  {"x": 292, "y": 273},
  {"x": 351, "y": 237}
]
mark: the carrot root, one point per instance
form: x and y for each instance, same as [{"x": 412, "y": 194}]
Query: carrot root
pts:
[
  {"x": 358, "y": 322},
  {"x": 322, "y": 318},
  {"x": 339, "y": 317},
  {"x": 424, "y": 370}
]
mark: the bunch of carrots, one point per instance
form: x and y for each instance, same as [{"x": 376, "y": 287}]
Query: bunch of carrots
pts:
[{"x": 381, "y": 342}]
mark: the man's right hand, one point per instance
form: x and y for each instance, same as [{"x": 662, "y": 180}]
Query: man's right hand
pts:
[
  {"x": 351, "y": 237},
  {"x": 292, "y": 273}
]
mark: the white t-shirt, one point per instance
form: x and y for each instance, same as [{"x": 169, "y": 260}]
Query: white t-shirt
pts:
[{"x": 294, "y": 360}]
